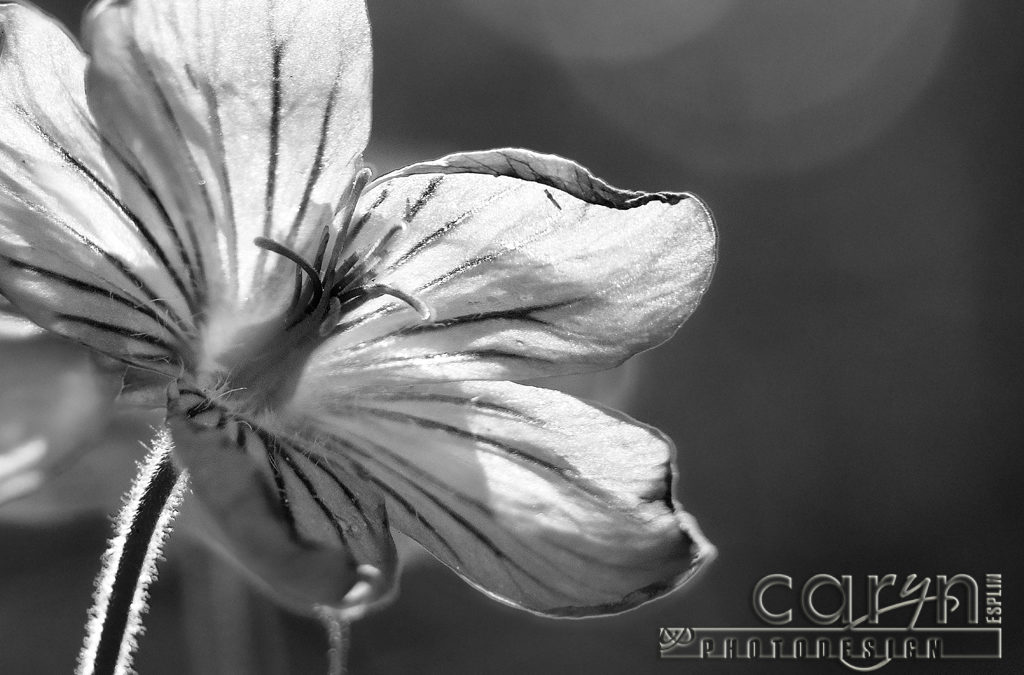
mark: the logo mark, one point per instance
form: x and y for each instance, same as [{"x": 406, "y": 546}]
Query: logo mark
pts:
[{"x": 863, "y": 626}]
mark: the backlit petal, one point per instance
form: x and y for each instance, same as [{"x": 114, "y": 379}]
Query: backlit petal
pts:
[
  {"x": 249, "y": 116},
  {"x": 529, "y": 265},
  {"x": 306, "y": 528},
  {"x": 82, "y": 249},
  {"x": 543, "y": 501}
]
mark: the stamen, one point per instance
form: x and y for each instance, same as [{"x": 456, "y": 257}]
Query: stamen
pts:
[
  {"x": 343, "y": 284},
  {"x": 321, "y": 249},
  {"x": 367, "y": 293},
  {"x": 353, "y": 233},
  {"x": 314, "y": 276},
  {"x": 373, "y": 256},
  {"x": 344, "y": 220},
  {"x": 298, "y": 287},
  {"x": 342, "y": 273},
  {"x": 331, "y": 318},
  {"x": 282, "y": 251},
  {"x": 332, "y": 271},
  {"x": 350, "y": 199},
  {"x": 382, "y": 245}
]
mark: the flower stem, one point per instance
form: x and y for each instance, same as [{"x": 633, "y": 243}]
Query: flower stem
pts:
[
  {"x": 338, "y": 636},
  {"x": 229, "y": 628},
  {"x": 129, "y": 564}
]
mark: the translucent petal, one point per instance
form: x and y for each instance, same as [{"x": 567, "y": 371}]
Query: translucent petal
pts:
[
  {"x": 83, "y": 248},
  {"x": 538, "y": 499},
  {"x": 250, "y": 121},
  {"x": 306, "y": 528},
  {"x": 529, "y": 265}
]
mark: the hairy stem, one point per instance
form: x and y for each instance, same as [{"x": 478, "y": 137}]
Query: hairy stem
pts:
[{"x": 129, "y": 564}]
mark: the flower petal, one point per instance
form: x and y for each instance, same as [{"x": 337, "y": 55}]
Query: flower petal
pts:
[
  {"x": 249, "y": 116},
  {"x": 307, "y": 529},
  {"x": 539, "y": 499},
  {"x": 79, "y": 251},
  {"x": 529, "y": 265}
]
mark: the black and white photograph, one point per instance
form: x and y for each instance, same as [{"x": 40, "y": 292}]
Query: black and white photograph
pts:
[{"x": 372, "y": 337}]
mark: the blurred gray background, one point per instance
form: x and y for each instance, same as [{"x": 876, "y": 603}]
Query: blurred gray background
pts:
[{"x": 848, "y": 397}]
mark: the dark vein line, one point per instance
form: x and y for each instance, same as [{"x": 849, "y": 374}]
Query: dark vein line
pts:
[
  {"x": 217, "y": 131},
  {"x": 458, "y": 518},
  {"x": 482, "y": 508},
  {"x": 467, "y": 355},
  {"x": 464, "y": 266},
  {"x": 147, "y": 188},
  {"x": 380, "y": 199},
  {"x": 504, "y": 449},
  {"x": 282, "y": 491},
  {"x": 567, "y": 473},
  {"x": 429, "y": 239},
  {"x": 315, "y": 169},
  {"x": 179, "y": 133},
  {"x": 308, "y": 485},
  {"x": 351, "y": 496},
  {"x": 476, "y": 403},
  {"x": 92, "y": 289},
  {"x": 428, "y": 193},
  {"x": 145, "y": 338},
  {"x": 446, "y": 229},
  {"x": 412, "y": 511},
  {"x": 524, "y": 314},
  {"x": 396, "y": 496},
  {"x": 273, "y": 146},
  {"x": 115, "y": 201}
]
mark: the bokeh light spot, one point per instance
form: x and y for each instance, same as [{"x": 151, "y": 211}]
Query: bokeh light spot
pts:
[
  {"x": 777, "y": 86},
  {"x": 601, "y": 30}
]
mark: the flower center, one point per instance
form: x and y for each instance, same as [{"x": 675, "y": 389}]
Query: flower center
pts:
[{"x": 262, "y": 369}]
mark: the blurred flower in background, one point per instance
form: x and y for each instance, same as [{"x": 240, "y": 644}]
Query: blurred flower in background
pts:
[{"x": 55, "y": 402}]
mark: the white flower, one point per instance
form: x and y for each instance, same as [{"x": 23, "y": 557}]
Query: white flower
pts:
[{"x": 189, "y": 199}]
